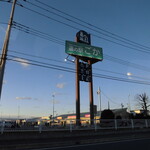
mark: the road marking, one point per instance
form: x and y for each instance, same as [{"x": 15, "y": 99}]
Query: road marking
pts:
[{"x": 82, "y": 145}]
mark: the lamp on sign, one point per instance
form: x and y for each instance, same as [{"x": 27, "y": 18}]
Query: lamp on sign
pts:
[{"x": 83, "y": 37}]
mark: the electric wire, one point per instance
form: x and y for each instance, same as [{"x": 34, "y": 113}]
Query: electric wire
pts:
[
  {"x": 120, "y": 79},
  {"x": 38, "y": 34},
  {"x": 40, "y": 13},
  {"x": 82, "y": 25},
  {"x": 29, "y": 30},
  {"x": 44, "y": 58},
  {"x": 58, "y": 61},
  {"x": 8, "y": 1},
  {"x": 66, "y": 69},
  {"x": 110, "y": 99},
  {"x": 61, "y": 42},
  {"x": 34, "y": 61},
  {"x": 80, "y": 20},
  {"x": 140, "y": 50},
  {"x": 127, "y": 63},
  {"x": 32, "y": 30}
]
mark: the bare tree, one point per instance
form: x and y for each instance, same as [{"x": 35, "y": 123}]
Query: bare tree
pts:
[{"x": 143, "y": 102}]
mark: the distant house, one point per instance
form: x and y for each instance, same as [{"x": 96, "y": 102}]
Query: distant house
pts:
[
  {"x": 86, "y": 115},
  {"x": 123, "y": 113}
]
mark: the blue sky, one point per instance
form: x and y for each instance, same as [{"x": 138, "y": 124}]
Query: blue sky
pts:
[{"x": 28, "y": 89}]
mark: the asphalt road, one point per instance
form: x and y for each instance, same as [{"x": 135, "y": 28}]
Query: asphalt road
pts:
[{"x": 138, "y": 144}]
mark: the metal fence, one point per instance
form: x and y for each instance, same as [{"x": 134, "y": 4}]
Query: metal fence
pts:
[{"x": 70, "y": 125}]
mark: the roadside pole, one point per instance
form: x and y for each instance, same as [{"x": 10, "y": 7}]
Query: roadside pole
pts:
[
  {"x": 5, "y": 46},
  {"x": 82, "y": 50},
  {"x": 91, "y": 97},
  {"x": 77, "y": 93}
]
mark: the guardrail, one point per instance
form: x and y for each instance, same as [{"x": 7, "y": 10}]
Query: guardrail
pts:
[{"x": 70, "y": 124}]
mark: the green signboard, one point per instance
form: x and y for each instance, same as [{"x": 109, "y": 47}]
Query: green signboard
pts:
[{"x": 84, "y": 50}]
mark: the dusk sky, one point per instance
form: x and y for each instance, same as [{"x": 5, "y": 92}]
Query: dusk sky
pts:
[{"x": 38, "y": 35}]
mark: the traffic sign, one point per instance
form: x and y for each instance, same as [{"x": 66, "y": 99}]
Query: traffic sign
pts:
[{"x": 84, "y": 50}]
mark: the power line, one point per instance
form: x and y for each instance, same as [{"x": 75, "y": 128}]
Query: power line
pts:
[
  {"x": 120, "y": 79},
  {"x": 66, "y": 69},
  {"x": 41, "y": 14},
  {"x": 61, "y": 42},
  {"x": 127, "y": 63},
  {"x": 34, "y": 61},
  {"x": 107, "y": 57},
  {"x": 47, "y": 5},
  {"x": 109, "y": 98},
  {"x": 19, "y": 25},
  {"x": 9, "y": 1},
  {"x": 140, "y": 50},
  {"x": 57, "y": 40},
  {"x": 37, "y": 33},
  {"x": 143, "y": 49},
  {"x": 44, "y": 58},
  {"x": 58, "y": 61}
]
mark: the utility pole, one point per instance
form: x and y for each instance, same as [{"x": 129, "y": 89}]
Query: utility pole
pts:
[
  {"x": 129, "y": 106},
  {"x": 5, "y": 46},
  {"x": 108, "y": 105}
]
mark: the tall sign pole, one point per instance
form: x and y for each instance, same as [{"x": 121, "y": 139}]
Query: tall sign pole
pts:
[
  {"x": 91, "y": 96},
  {"x": 77, "y": 93},
  {"x": 81, "y": 37},
  {"x": 82, "y": 50},
  {"x": 5, "y": 47}
]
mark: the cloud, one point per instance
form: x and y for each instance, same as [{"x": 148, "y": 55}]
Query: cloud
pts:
[
  {"x": 23, "y": 62},
  {"x": 60, "y": 76},
  {"x": 60, "y": 85},
  {"x": 4, "y": 81},
  {"x": 27, "y": 98},
  {"x": 23, "y": 98}
]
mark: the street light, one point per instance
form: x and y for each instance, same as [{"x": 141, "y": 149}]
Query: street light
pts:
[
  {"x": 99, "y": 100},
  {"x": 129, "y": 74},
  {"x": 53, "y": 96},
  {"x": 129, "y": 106},
  {"x": 66, "y": 59}
]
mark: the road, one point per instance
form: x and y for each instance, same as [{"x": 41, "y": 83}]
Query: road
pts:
[{"x": 138, "y": 144}]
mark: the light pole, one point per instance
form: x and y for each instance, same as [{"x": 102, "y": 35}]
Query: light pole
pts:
[
  {"x": 99, "y": 100},
  {"x": 53, "y": 96},
  {"x": 129, "y": 106},
  {"x": 18, "y": 112}
]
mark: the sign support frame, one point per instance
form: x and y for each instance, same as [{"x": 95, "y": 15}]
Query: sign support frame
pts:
[
  {"x": 91, "y": 97},
  {"x": 89, "y": 54},
  {"x": 77, "y": 92}
]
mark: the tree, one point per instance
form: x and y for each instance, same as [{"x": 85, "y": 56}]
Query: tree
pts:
[
  {"x": 107, "y": 114},
  {"x": 143, "y": 102}
]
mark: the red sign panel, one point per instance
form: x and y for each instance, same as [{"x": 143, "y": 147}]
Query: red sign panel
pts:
[
  {"x": 71, "y": 117},
  {"x": 87, "y": 115}
]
